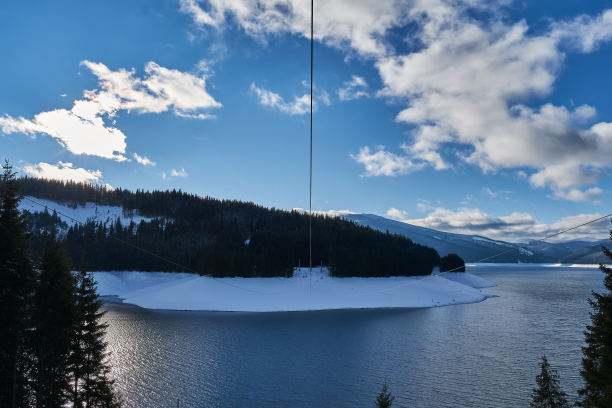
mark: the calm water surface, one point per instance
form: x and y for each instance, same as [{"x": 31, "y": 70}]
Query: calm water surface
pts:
[{"x": 477, "y": 355}]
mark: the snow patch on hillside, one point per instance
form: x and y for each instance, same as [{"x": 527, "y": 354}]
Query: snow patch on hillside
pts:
[
  {"x": 180, "y": 291},
  {"x": 100, "y": 213},
  {"x": 483, "y": 239}
]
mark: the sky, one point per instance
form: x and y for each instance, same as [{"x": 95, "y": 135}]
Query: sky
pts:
[{"x": 491, "y": 118}]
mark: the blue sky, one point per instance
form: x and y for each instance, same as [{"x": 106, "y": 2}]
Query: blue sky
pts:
[{"x": 490, "y": 118}]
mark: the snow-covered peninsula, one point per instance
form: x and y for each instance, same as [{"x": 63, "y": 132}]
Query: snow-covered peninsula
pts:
[{"x": 180, "y": 291}]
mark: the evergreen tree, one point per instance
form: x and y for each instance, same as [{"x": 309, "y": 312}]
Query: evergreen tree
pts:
[
  {"x": 548, "y": 393},
  {"x": 53, "y": 319},
  {"x": 597, "y": 354},
  {"x": 16, "y": 285},
  {"x": 452, "y": 263},
  {"x": 384, "y": 398},
  {"x": 91, "y": 382}
]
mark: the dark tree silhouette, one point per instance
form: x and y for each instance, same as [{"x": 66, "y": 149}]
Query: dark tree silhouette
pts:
[
  {"x": 452, "y": 263},
  {"x": 53, "y": 318},
  {"x": 221, "y": 237},
  {"x": 548, "y": 392},
  {"x": 597, "y": 354},
  {"x": 16, "y": 285},
  {"x": 91, "y": 383},
  {"x": 384, "y": 398}
]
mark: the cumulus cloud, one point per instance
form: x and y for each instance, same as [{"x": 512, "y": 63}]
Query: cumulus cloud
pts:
[
  {"x": 328, "y": 213},
  {"x": 178, "y": 173},
  {"x": 576, "y": 194},
  {"x": 346, "y": 24},
  {"x": 515, "y": 227},
  {"x": 84, "y": 129},
  {"x": 396, "y": 214},
  {"x": 384, "y": 163},
  {"x": 81, "y": 130},
  {"x": 161, "y": 89},
  {"x": 299, "y": 106},
  {"x": 144, "y": 160},
  {"x": 62, "y": 171},
  {"x": 461, "y": 88},
  {"x": 464, "y": 82},
  {"x": 175, "y": 173},
  {"x": 585, "y": 33},
  {"x": 353, "y": 89}
]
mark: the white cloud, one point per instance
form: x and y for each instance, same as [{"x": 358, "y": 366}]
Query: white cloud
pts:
[
  {"x": 464, "y": 83},
  {"x": 160, "y": 90},
  {"x": 62, "y": 171},
  {"x": 575, "y": 194},
  {"x": 515, "y": 227},
  {"x": 563, "y": 176},
  {"x": 585, "y": 33},
  {"x": 353, "y": 89},
  {"x": 178, "y": 173},
  {"x": 384, "y": 163},
  {"x": 83, "y": 128},
  {"x": 144, "y": 160},
  {"x": 347, "y": 24},
  {"x": 80, "y": 130},
  {"x": 328, "y": 213},
  {"x": 396, "y": 214},
  {"x": 299, "y": 106},
  {"x": 489, "y": 192},
  {"x": 461, "y": 88}
]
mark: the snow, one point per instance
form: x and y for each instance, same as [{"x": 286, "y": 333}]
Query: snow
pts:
[
  {"x": 181, "y": 291},
  {"x": 468, "y": 279},
  {"x": 525, "y": 251},
  {"x": 101, "y": 213},
  {"x": 527, "y": 265},
  {"x": 483, "y": 239}
]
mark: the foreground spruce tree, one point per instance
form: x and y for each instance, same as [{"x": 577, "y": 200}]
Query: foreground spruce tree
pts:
[
  {"x": 597, "y": 354},
  {"x": 16, "y": 285},
  {"x": 384, "y": 398},
  {"x": 548, "y": 393},
  {"x": 91, "y": 382},
  {"x": 53, "y": 317}
]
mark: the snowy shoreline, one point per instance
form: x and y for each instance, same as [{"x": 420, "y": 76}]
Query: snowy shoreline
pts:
[{"x": 181, "y": 291}]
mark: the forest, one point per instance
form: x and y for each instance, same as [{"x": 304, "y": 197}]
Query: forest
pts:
[{"x": 218, "y": 237}]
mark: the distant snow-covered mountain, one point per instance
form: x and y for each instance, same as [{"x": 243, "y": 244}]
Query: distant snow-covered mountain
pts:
[{"x": 474, "y": 248}]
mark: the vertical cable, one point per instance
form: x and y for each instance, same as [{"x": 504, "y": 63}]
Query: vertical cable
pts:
[{"x": 310, "y": 197}]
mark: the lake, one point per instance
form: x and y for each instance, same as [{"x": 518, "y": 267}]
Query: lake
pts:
[{"x": 475, "y": 355}]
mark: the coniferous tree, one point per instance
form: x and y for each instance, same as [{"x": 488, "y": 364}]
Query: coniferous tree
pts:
[
  {"x": 452, "y": 263},
  {"x": 548, "y": 393},
  {"x": 597, "y": 354},
  {"x": 91, "y": 382},
  {"x": 384, "y": 398},
  {"x": 16, "y": 285},
  {"x": 53, "y": 318}
]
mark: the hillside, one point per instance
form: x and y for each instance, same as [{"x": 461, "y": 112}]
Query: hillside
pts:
[
  {"x": 210, "y": 236},
  {"x": 473, "y": 248},
  {"x": 590, "y": 254}
]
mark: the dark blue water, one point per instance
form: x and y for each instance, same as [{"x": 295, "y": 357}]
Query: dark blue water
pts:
[{"x": 477, "y": 355}]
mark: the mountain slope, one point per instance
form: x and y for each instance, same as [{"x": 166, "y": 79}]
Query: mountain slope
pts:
[
  {"x": 473, "y": 248},
  {"x": 211, "y": 236}
]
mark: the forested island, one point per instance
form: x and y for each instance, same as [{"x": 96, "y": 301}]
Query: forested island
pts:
[{"x": 221, "y": 238}]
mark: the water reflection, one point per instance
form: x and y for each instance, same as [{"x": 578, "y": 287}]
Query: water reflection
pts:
[{"x": 483, "y": 354}]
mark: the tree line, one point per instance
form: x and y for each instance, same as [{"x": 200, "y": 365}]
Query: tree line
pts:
[
  {"x": 221, "y": 237},
  {"x": 52, "y": 349}
]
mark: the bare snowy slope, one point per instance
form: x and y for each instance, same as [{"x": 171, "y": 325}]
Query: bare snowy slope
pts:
[
  {"x": 473, "y": 248},
  {"x": 89, "y": 211},
  {"x": 179, "y": 291}
]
